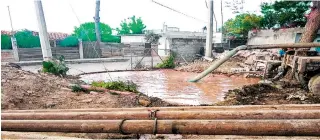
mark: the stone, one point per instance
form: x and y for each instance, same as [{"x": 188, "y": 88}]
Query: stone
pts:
[
  {"x": 144, "y": 102},
  {"x": 94, "y": 93},
  {"x": 86, "y": 101},
  {"x": 50, "y": 104}
]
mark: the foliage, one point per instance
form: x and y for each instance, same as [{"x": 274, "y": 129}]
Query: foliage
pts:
[
  {"x": 168, "y": 62},
  {"x": 6, "y": 42},
  {"x": 117, "y": 85},
  {"x": 242, "y": 24},
  {"x": 152, "y": 37},
  {"x": 86, "y": 32},
  {"x": 56, "y": 67},
  {"x": 70, "y": 41},
  {"x": 26, "y": 39},
  {"x": 284, "y": 13},
  {"x": 77, "y": 88},
  {"x": 134, "y": 26}
]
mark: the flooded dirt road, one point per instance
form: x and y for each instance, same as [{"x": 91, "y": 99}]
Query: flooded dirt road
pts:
[{"x": 172, "y": 86}]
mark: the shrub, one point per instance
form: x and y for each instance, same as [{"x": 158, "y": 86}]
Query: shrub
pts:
[
  {"x": 56, "y": 67},
  {"x": 117, "y": 85},
  {"x": 70, "y": 41},
  {"x": 6, "y": 42},
  {"x": 26, "y": 39},
  {"x": 168, "y": 62}
]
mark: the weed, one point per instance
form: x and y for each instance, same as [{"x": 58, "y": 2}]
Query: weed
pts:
[
  {"x": 77, "y": 88},
  {"x": 56, "y": 67},
  {"x": 168, "y": 62},
  {"x": 117, "y": 85}
]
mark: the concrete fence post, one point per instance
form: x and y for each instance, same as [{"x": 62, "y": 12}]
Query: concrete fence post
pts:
[
  {"x": 80, "y": 48},
  {"x": 15, "y": 49}
]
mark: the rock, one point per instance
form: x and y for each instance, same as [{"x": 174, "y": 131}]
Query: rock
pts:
[
  {"x": 29, "y": 92},
  {"x": 144, "y": 102},
  {"x": 86, "y": 101},
  {"x": 265, "y": 82},
  {"x": 50, "y": 104},
  {"x": 94, "y": 93}
]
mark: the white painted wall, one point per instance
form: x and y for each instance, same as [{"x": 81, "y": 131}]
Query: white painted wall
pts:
[{"x": 133, "y": 39}]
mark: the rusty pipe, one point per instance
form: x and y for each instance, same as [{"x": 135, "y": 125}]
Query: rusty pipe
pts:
[
  {"x": 200, "y": 127},
  {"x": 141, "y": 115},
  {"x": 287, "y": 45},
  {"x": 182, "y": 108}
]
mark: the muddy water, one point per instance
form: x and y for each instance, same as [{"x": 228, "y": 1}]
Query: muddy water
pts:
[{"x": 172, "y": 86}]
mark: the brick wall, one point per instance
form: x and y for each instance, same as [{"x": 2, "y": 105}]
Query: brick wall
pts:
[
  {"x": 7, "y": 56},
  {"x": 186, "y": 47}
]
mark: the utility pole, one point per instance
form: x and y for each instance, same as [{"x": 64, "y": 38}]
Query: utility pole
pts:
[
  {"x": 97, "y": 23},
  {"x": 209, "y": 30},
  {"x": 221, "y": 25},
  {"x": 43, "y": 34},
  {"x": 10, "y": 20}
]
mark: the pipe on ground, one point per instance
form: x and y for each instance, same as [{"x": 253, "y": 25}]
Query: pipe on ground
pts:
[
  {"x": 182, "y": 108},
  {"x": 142, "y": 115},
  {"x": 201, "y": 127}
]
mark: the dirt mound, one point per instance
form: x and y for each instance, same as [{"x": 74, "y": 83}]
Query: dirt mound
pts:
[
  {"x": 225, "y": 68},
  {"x": 270, "y": 94},
  {"x": 25, "y": 90}
]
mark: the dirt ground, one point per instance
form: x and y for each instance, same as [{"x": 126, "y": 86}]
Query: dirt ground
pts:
[{"x": 26, "y": 90}]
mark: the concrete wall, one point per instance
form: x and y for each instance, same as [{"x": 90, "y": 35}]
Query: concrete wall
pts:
[
  {"x": 186, "y": 48},
  {"x": 111, "y": 49},
  {"x": 132, "y": 39},
  {"x": 32, "y": 54},
  {"x": 7, "y": 56},
  {"x": 274, "y": 37}
]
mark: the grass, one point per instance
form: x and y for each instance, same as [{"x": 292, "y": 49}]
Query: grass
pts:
[
  {"x": 167, "y": 63},
  {"x": 117, "y": 85}
]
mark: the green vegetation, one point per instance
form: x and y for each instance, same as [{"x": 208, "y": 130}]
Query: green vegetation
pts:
[
  {"x": 56, "y": 67},
  {"x": 70, "y": 41},
  {"x": 77, "y": 88},
  {"x": 6, "y": 42},
  {"x": 284, "y": 14},
  {"x": 242, "y": 24},
  {"x": 26, "y": 39},
  {"x": 86, "y": 32},
  {"x": 134, "y": 26},
  {"x": 167, "y": 63},
  {"x": 117, "y": 85}
]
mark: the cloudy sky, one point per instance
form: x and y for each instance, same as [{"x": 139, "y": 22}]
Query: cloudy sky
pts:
[{"x": 60, "y": 17}]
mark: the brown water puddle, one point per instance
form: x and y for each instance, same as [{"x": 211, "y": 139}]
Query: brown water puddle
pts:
[{"x": 172, "y": 86}]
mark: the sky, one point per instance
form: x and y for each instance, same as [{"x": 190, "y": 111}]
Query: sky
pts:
[{"x": 60, "y": 17}]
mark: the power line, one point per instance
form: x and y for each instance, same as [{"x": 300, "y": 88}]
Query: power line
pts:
[{"x": 178, "y": 11}]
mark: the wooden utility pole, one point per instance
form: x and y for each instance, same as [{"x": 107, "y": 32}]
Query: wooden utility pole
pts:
[
  {"x": 209, "y": 30},
  {"x": 43, "y": 34},
  {"x": 97, "y": 22}
]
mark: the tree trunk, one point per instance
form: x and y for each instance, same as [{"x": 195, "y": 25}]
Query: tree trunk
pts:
[{"x": 313, "y": 24}]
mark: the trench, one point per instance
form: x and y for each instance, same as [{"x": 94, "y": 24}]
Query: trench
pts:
[{"x": 172, "y": 86}]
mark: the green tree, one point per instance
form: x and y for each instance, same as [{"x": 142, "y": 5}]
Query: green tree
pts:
[
  {"x": 284, "y": 13},
  {"x": 86, "y": 32},
  {"x": 124, "y": 28},
  {"x": 26, "y": 39},
  {"x": 242, "y": 24},
  {"x": 6, "y": 42},
  {"x": 134, "y": 26}
]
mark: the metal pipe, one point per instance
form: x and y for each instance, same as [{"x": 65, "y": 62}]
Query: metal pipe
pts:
[
  {"x": 200, "y": 127},
  {"x": 183, "y": 108},
  {"x": 140, "y": 115},
  {"x": 288, "y": 45}
]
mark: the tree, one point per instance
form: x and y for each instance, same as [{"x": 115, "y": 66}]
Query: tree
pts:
[
  {"x": 284, "y": 14},
  {"x": 6, "y": 42},
  {"x": 313, "y": 24},
  {"x": 134, "y": 26},
  {"x": 152, "y": 37},
  {"x": 86, "y": 32},
  {"x": 26, "y": 39},
  {"x": 124, "y": 28},
  {"x": 70, "y": 41},
  {"x": 242, "y": 24}
]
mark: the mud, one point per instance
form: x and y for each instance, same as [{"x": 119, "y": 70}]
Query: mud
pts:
[
  {"x": 25, "y": 90},
  {"x": 281, "y": 92}
]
